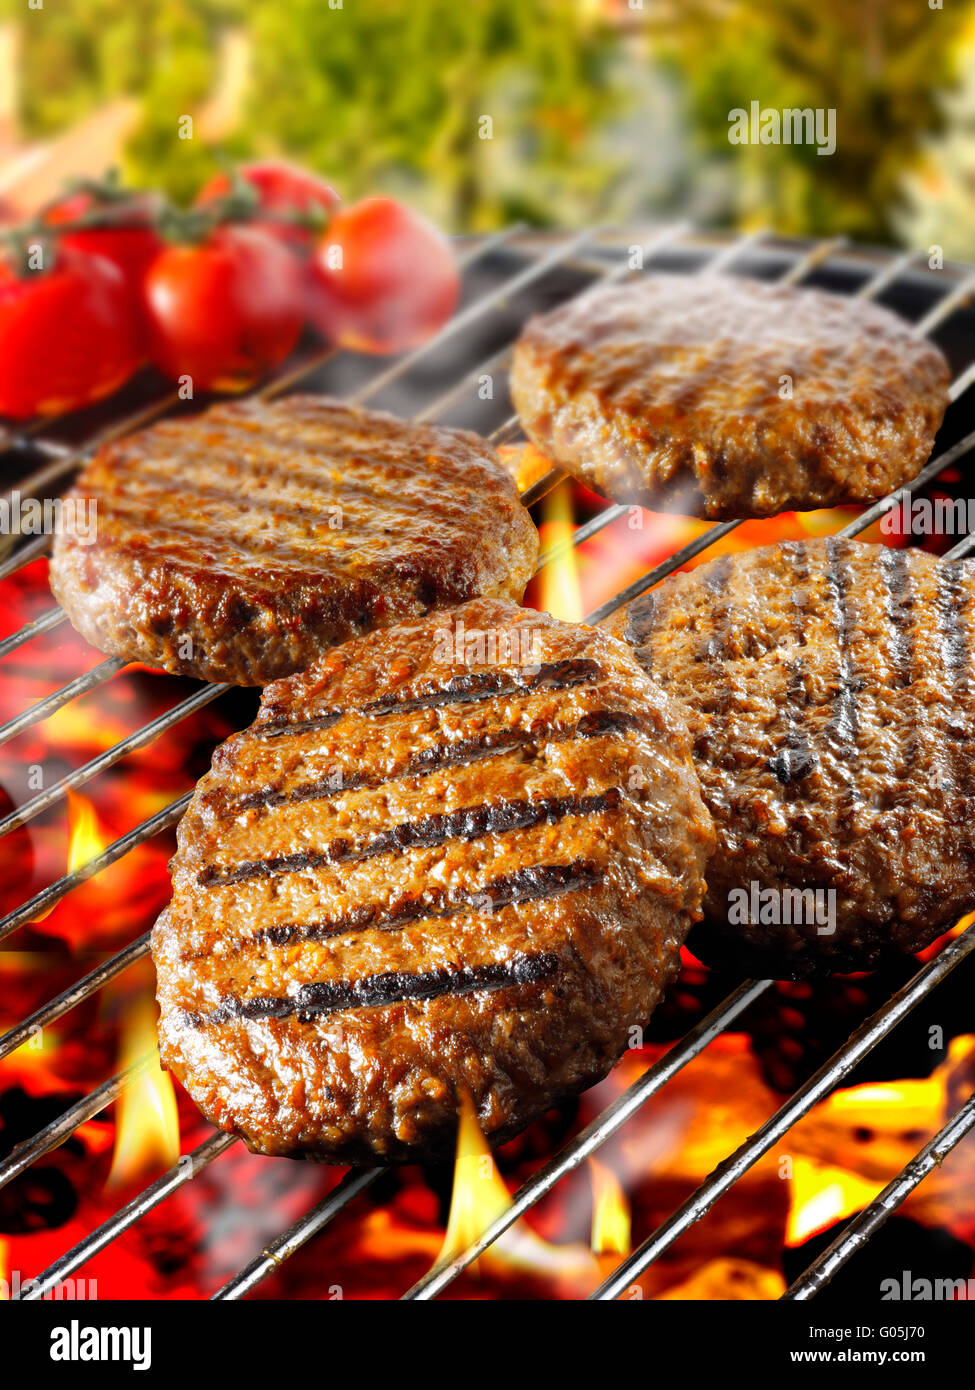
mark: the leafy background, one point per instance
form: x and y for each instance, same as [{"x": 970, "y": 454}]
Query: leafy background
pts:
[{"x": 600, "y": 109}]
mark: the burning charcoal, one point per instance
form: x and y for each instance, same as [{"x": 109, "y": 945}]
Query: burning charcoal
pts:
[{"x": 43, "y": 1197}]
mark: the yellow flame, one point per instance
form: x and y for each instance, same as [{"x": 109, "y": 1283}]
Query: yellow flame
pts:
[
  {"x": 610, "y": 1212},
  {"x": 480, "y": 1196},
  {"x": 146, "y": 1123},
  {"x": 822, "y": 1195},
  {"x": 559, "y": 590},
  {"x": 85, "y": 841}
]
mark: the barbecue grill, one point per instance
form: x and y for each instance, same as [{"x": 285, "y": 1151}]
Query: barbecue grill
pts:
[{"x": 506, "y": 276}]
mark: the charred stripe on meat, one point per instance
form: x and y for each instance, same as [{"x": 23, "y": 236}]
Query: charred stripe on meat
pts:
[
  {"x": 845, "y": 722},
  {"x": 796, "y": 760},
  {"x": 533, "y": 883},
  {"x": 379, "y": 991},
  {"x": 468, "y": 823},
  {"x": 953, "y": 603},
  {"x": 460, "y": 754},
  {"x": 468, "y": 688}
]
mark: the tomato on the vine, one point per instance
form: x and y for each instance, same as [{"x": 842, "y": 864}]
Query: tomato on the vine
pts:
[
  {"x": 382, "y": 278},
  {"x": 225, "y": 310},
  {"x": 282, "y": 189},
  {"x": 132, "y": 245},
  {"x": 68, "y": 335}
]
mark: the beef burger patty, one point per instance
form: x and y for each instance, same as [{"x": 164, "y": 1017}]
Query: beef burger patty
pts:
[
  {"x": 456, "y": 856},
  {"x": 829, "y": 686},
  {"x": 237, "y": 545},
  {"x": 726, "y": 397}
]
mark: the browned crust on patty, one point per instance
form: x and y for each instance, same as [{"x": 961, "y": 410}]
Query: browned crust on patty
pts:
[
  {"x": 237, "y": 545},
  {"x": 667, "y": 392},
  {"x": 416, "y": 875},
  {"x": 829, "y": 685}
]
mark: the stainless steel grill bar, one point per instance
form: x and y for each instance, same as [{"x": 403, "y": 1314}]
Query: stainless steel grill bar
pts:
[
  {"x": 54, "y": 892},
  {"x": 661, "y": 571},
  {"x": 98, "y": 675},
  {"x": 500, "y": 360},
  {"x": 926, "y": 475},
  {"x": 88, "y": 984},
  {"x": 963, "y": 549},
  {"x": 48, "y": 620},
  {"x": 815, "y": 1089},
  {"x": 463, "y": 320},
  {"x": 130, "y": 744},
  {"x": 67, "y": 461},
  {"x": 951, "y": 301},
  {"x": 886, "y": 275},
  {"x": 65, "y": 1125},
  {"x": 588, "y": 1140},
  {"x": 354, "y": 1182},
  {"x": 22, "y": 557},
  {"x": 870, "y": 1220},
  {"x": 183, "y": 1172}
]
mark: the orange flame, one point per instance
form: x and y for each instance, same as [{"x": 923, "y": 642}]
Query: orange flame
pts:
[
  {"x": 823, "y": 1193},
  {"x": 559, "y": 589},
  {"x": 147, "y": 1123},
  {"x": 610, "y": 1212}
]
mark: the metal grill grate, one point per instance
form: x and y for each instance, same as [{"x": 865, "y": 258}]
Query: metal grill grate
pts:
[{"x": 590, "y": 257}]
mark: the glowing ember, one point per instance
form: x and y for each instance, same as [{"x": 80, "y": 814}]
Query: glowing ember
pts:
[
  {"x": 610, "y": 1212},
  {"x": 740, "y": 1280},
  {"x": 147, "y": 1124}
]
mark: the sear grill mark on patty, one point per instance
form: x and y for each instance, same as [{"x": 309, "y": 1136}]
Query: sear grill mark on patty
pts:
[
  {"x": 468, "y": 823},
  {"x": 442, "y": 756},
  {"x": 319, "y": 521},
  {"x": 468, "y": 688},
  {"x": 533, "y": 883},
  {"x": 898, "y": 609},
  {"x": 716, "y": 580},
  {"x": 372, "y": 991},
  {"x": 845, "y": 721},
  {"x": 796, "y": 760},
  {"x": 953, "y": 604},
  {"x": 641, "y": 619}
]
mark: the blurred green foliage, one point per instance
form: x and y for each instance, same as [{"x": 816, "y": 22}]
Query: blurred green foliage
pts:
[
  {"x": 881, "y": 64},
  {"x": 391, "y": 96}
]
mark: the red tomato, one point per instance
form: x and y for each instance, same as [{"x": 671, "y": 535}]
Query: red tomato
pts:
[
  {"x": 383, "y": 279},
  {"x": 68, "y": 335},
  {"x": 226, "y": 310},
  {"x": 131, "y": 248},
  {"x": 281, "y": 188}
]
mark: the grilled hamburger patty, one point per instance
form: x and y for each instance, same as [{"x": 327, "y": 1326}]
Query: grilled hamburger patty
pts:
[
  {"x": 668, "y": 392},
  {"x": 829, "y": 686},
  {"x": 237, "y": 545},
  {"x": 430, "y": 865}
]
